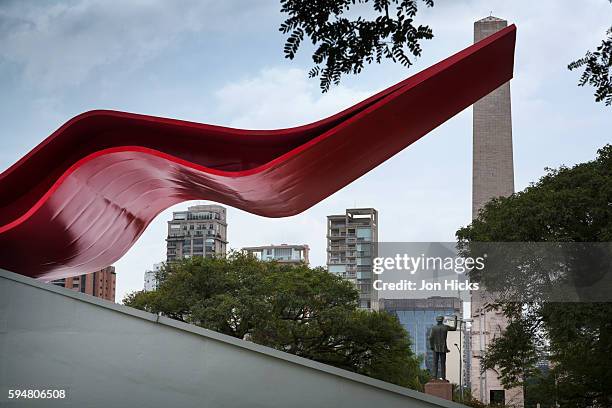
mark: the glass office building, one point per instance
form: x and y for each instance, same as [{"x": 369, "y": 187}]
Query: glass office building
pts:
[{"x": 418, "y": 316}]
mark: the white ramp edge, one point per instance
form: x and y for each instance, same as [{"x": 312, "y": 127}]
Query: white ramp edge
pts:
[{"x": 105, "y": 354}]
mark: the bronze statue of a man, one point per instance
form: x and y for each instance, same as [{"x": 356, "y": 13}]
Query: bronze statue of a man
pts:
[{"x": 437, "y": 342}]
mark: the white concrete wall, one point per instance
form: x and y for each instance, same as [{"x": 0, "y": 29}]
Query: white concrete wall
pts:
[
  {"x": 108, "y": 355},
  {"x": 452, "y": 357}
]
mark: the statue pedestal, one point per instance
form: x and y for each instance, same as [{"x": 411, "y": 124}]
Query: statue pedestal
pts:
[{"x": 440, "y": 389}]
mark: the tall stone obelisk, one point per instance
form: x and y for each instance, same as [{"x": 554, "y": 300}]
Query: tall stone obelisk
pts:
[
  {"x": 493, "y": 169},
  {"x": 493, "y": 176}
]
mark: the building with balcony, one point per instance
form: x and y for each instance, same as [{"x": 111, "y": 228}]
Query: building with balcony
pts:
[
  {"x": 199, "y": 231},
  {"x": 284, "y": 253},
  {"x": 351, "y": 245}
]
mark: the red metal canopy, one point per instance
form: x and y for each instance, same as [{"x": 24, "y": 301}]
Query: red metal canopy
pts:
[{"x": 78, "y": 201}]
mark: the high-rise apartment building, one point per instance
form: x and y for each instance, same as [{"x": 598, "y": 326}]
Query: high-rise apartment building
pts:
[
  {"x": 352, "y": 240},
  {"x": 493, "y": 176},
  {"x": 199, "y": 231},
  {"x": 418, "y": 316},
  {"x": 99, "y": 284},
  {"x": 284, "y": 253}
]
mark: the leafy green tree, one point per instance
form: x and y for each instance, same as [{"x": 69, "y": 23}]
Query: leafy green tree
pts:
[
  {"x": 580, "y": 336},
  {"x": 597, "y": 69},
  {"x": 344, "y": 42},
  {"x": 566, "y": 205},
  {"x": 299, "y": 310},
  {"x": 541, "y": 389},
  {"x": 514, "y": 356}
]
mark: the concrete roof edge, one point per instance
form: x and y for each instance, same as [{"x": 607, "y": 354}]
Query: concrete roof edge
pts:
[{"x": 229, "y": 340}]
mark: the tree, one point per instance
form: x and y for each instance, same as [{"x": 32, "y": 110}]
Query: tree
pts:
[
  {"x": 343, "y": 44},
  {"x": 570, "y": 205},
  {"x": 597, "y": 66},
  {"x": 514, "y": 356},
  {"x": 296, "y": 309},
  {"x": 541, "y": 389}
]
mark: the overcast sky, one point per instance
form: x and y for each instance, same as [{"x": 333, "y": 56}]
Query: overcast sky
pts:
[{"x": 222, "y": 63}]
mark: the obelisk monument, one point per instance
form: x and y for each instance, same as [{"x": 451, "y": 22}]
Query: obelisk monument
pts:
[{"x": 493, "y": 176}]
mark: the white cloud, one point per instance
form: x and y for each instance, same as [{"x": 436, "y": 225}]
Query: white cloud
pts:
[
  {"x": 281, "y": 97},
  {"x": 60, "y": 44}
]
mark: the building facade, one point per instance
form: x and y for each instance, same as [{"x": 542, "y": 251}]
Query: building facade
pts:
[
  {"x": 467, "y": 357},
  {"x": 99, "y": 284},
  {"x": 352, "y": 240},
  {"x": 199, "y": 231},
  {"x": 284, "y": 253},
  {"x": 418, "y": 316},
  {"x": 150, "y": 278},
  {"x": 493, "y": 176}
]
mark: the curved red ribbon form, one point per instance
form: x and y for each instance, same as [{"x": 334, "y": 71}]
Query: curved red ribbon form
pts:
[{"x": 78, "y": 201}]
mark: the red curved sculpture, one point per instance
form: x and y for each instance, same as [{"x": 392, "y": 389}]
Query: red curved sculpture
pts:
[{"x": 78, "y": 201}]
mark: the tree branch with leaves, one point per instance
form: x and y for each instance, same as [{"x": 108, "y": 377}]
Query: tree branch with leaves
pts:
[
  {"x": 597, "y": 69},
  {"x": 343, "y": 44}
]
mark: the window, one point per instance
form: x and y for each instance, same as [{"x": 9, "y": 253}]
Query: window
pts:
[
  {"x": 283, "y": 253},
  {"x": 337, "y": 268},
  {"x": 497, "y": 397},
  {"x": 364, "y": 261},
  {"x": 364, "y": 275},
  {"x": 365, "y": 233}
]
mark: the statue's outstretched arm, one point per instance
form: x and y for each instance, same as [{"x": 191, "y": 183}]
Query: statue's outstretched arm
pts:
[{"x": 454, "y": 328}]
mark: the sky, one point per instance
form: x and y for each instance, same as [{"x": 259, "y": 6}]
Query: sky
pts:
[{"x": 222, "y": 63}]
